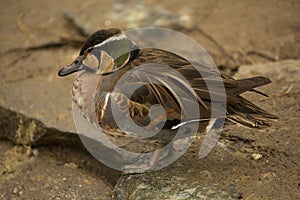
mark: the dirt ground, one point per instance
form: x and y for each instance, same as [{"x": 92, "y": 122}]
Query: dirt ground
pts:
[{"x": 39, "y": 37}]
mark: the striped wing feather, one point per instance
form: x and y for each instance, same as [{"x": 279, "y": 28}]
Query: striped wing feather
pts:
[{"x": 160, "y": 84}]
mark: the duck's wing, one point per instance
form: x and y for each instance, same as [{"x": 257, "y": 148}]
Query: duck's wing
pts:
[
  {"x": 208, "y": 85},
  {"x": 178, "y": 86},
  {"x": 156, "y": 96}
]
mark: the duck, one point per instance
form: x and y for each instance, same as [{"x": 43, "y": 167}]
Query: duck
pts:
[{"x": 140, "y": 97}]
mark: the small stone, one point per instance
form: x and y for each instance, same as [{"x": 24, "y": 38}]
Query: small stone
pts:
[
  {"x": 256, "y": 156},
  {"x": 15, "y": 191},
  {"x": 35, "y": 152},
  {"x": 107, "y": 23},
  {"x": 71, "y": 165},
  {"x": 269, "y": 175},
  {"x": 142, "y": 186}
]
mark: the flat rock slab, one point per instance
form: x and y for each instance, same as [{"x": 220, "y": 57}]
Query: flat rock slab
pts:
[{"x": 41, "y": 98}]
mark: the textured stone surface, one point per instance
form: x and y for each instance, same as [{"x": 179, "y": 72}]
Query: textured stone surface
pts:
[{"x": 45, "y": 97}]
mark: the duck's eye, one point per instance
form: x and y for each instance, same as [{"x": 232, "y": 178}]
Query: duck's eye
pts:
[{"x": 91, "y": 61}]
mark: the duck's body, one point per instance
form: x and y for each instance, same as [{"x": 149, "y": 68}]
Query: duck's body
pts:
[{"x": 160, "y": 91}]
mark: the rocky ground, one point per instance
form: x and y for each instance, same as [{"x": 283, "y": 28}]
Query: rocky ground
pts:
[{"x": 243, "y": 38}]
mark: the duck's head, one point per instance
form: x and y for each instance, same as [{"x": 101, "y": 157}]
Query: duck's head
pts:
[{"x": 104, "y": 52}]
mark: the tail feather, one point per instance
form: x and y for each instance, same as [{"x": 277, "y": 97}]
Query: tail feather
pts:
[
  {"x": 248, "y": 84},
  {"x": 250, "y": 115}
]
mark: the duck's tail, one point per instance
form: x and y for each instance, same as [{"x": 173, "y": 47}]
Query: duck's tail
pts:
[{"x": 245, "y": 112}]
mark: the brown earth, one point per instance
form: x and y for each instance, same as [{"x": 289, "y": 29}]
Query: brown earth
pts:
[{"x": 244, "y": 39}]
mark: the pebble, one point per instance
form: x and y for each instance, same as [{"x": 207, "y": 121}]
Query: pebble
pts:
[
  {"x": 256, "y": 156},
  {"x": 71, "y": 165}
]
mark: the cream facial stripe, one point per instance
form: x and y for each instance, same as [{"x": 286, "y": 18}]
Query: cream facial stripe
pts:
[{"x": 120, "y": 36}]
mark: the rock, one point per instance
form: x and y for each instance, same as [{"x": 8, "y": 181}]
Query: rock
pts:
[
  {"x": 276, "y": 71},
  {"x": 26, "y": 131},
  {"x": 256, "y": 156},
  {"x": 71, "y": 165},
  {"x": 46, "y": 100},
  {"x": 165, "y": 186}
]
